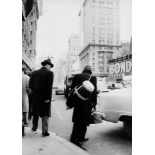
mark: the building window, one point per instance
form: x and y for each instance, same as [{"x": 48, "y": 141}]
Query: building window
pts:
[
  {"x": 93, "y": 41},
  {"x": 24, "y": 36}
]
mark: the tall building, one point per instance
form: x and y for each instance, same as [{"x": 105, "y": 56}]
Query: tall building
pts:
[
  {"x": 99, "y": 33},
  {"x": 40, "y": 5},
  {"x": 73, "y": 52},
  {"x": 30, "y": 15},
  {"x": 125, "y": 48},
  {"x": 60, "y": 72}
]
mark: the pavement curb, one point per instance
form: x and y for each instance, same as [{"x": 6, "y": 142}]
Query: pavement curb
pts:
[{"x": 66, "y": 143}]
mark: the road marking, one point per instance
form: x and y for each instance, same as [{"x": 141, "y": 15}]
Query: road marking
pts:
[{"x": 57, "y": 112}]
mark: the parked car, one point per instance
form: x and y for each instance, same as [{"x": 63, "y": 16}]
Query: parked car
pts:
[
  {"x": 67, "y": 85},
  {"x": 59, "y": 90},
  {"x": 102, "y": 87},
  {"x": 117, "y": 106},
  {"x": 115, "y": 85}
]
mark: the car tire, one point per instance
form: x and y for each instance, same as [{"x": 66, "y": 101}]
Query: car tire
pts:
[{"x": 128, "y": 128}]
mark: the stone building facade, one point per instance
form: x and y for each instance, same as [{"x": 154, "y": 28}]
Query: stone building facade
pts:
[
  {"x": 73, "y": 52},
  {"x": 30, "y": 15}
]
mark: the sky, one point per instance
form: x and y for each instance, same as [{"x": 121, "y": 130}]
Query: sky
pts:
[{"x": 60, "y": 19}]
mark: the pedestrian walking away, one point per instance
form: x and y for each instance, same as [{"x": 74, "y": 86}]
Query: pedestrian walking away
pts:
[
  {"x": 25, "y": 91},
  {"x": 30, "y": 99},
  {"x": 41, "y": 82},
  {"x": 83, "y": 109}
]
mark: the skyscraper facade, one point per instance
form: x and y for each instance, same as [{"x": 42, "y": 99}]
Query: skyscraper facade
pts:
[
  {"x": 40, "y": 5},
  {"x": 99, "y": 33},
  {"x": 73, "y": 52}
]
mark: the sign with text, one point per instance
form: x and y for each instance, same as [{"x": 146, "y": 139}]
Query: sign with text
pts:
[{"x": 119, "y": 66}]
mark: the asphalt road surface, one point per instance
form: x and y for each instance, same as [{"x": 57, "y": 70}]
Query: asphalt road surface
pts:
[{"x": 104, "y": 139}]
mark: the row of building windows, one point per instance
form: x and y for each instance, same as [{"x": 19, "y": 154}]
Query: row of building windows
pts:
[
  {"x": 74, "y": 48},
  {"x": 73, "y": 55},
  {"x": 101, "y": 29},
  {"x": 100, "y": 41},
  {"x": 103, "y": 1}
]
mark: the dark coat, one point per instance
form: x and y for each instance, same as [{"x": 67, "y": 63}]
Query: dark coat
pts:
[
  {"x": 41, "y": 83},
  {"x": 82, "y": 110}
]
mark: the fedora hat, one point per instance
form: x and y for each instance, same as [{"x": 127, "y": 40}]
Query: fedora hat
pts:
[{"x": 47, "y": 62}]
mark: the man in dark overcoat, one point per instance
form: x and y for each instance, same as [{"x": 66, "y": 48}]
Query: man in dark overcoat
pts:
[
  {"x": 41, "y": 83},
  {"x": 82, "y": 110}
]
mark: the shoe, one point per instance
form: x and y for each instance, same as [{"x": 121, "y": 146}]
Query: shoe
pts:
[
  {"x": 33, "y": 129},
  {"x": 83, "y": 140},
  {"x": 45, "y": 134},
  {"x": 80, "y": 145},
  {"x": 26, "y": 124},
  {"x": 73, "y": 141}
]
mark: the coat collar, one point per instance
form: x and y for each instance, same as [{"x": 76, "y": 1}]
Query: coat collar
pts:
[{"x": 43, "y": 68}]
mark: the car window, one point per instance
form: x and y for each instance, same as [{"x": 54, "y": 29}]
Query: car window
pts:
[{"x": 70, "y": 80}]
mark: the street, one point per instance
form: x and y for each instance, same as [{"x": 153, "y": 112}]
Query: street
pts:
[{"x": 104, "y": 139}]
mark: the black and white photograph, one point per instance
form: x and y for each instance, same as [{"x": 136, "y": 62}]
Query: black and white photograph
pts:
[
  {"x": 80, "y": 90},
  {"x": 77, "y": 77}
]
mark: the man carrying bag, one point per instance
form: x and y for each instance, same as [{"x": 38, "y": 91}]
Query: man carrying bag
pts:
[{"x": 82, "y": 106}]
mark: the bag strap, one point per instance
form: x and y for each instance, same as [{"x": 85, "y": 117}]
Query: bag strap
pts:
[{"x": 90, "y": 77}]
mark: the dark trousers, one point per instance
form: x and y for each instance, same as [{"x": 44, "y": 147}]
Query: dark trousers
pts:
[
  {"x": 78, "y": 132},
  {"x": 44, "y": 123},
  {"x": 35, "y": 121},
  {"x": 30, "y": 107},
  {"x": 25, "y": 119}
]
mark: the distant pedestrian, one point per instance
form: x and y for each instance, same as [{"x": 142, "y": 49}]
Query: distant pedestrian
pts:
[
  {"x": 30, "y": 100},
  {"x": 25, "y": 102},
  {"x": 82, "y": 110},
  {"x": 41, "y": 82}
]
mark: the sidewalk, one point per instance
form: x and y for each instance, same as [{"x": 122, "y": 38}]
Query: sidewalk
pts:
[{"x": 34, "y": 144}]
